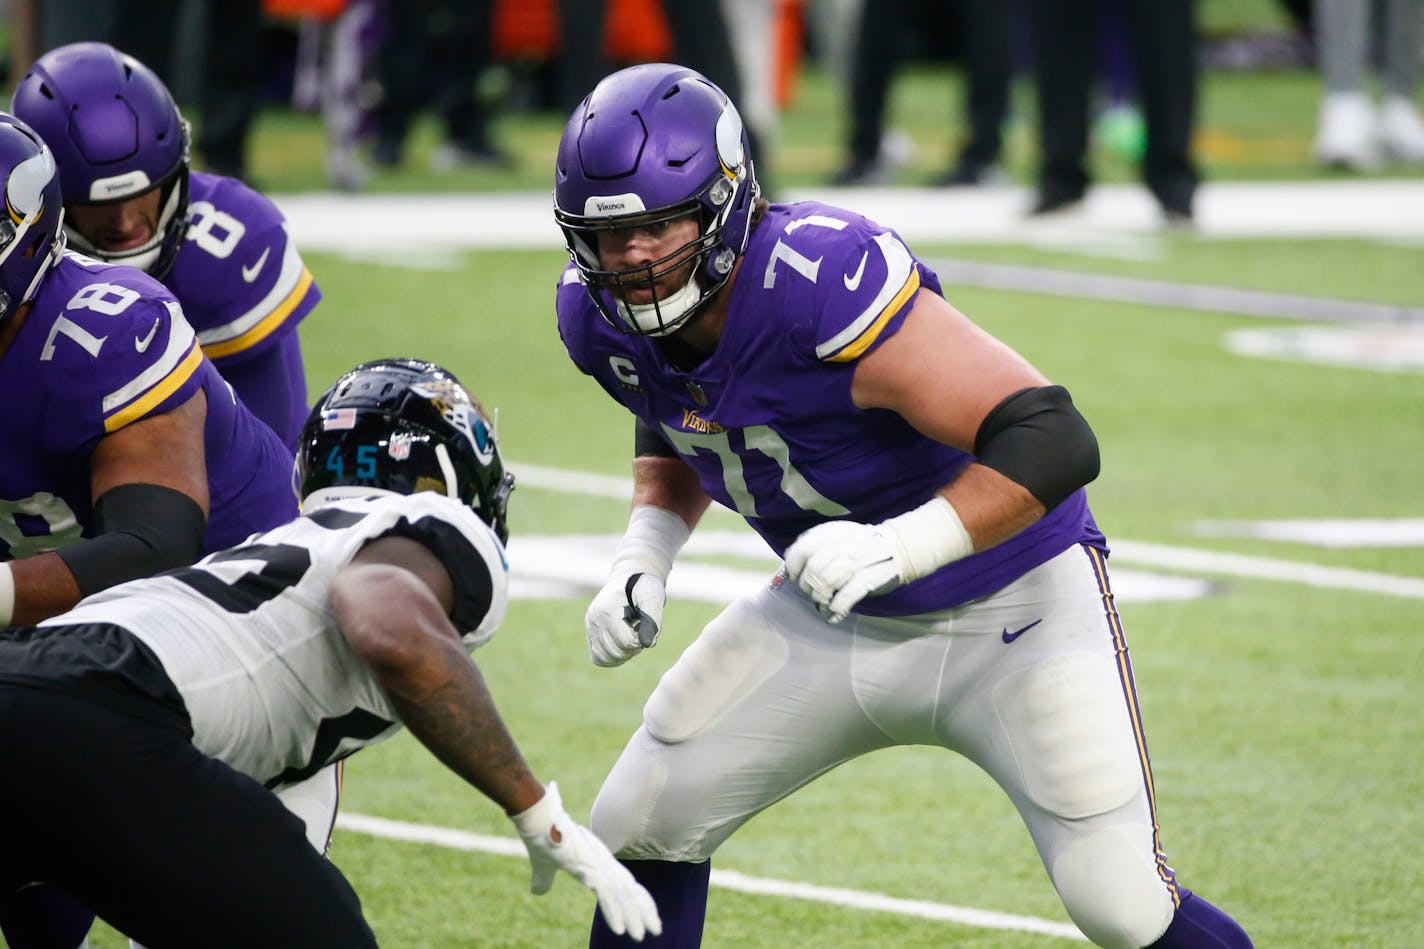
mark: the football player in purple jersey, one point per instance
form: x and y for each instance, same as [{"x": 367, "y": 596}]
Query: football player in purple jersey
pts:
[
  {"x": 944, "y": 581},
  {"x": 221, "y": 247},
  {"x": 124, "y": 452}
]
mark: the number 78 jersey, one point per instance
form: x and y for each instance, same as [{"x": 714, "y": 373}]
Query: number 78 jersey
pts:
[
  {"x": 103, "y": 347},
  {"x": 767, "y": 420}
]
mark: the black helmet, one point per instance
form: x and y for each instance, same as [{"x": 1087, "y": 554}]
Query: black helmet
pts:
[{"x": 404, "y": 425}]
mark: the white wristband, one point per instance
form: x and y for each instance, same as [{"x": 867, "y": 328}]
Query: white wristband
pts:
[
  {"x": 7, "y": 595},
  {"x": 651, "y": 542},
  {"x": 538, "y": 818},
  {"x": 927, "y": 538}
]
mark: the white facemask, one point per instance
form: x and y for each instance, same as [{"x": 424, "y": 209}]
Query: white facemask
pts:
[{"x": 664, "y": 316}]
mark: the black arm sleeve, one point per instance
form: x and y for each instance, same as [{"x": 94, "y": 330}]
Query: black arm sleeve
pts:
[
  {"x": 1037, "y": 438},
  {"x": 647, "y": 442},
  {"x": 143, "y": 529}
]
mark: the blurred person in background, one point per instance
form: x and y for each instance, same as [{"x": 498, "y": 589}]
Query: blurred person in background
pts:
[
  {"x": 332, "y": 76},
  {"x": 222, "y": 248},
  {"x": 709, "y": 37},
  {"x": 1353, "y": 133},
  {"x": 230, "y": 68},
  {"x": 431, "y": 56},
  {"x": 1162, "y": 36},
  {"x": 987, "y": 56}
]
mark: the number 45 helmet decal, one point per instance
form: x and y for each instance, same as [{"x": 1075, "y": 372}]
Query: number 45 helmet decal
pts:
[{"x": 402, "y": 426}]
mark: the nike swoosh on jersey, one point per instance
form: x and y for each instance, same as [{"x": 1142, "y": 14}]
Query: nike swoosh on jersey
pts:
[
  {"x": 853, "y": 281},
  {"x": 1010, "y": 637},
  {"x": 141, "y": 344},
  {"x": 250, "y": 273}
]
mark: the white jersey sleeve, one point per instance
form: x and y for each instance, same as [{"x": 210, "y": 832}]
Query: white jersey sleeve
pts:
[{"x": 271, "y": 685}]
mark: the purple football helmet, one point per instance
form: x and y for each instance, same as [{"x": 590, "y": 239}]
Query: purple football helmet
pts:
[
  {"x": 31, "y": 229},
  {"x": 115, "y": 133},
  {"x": 652, "y": 143}
]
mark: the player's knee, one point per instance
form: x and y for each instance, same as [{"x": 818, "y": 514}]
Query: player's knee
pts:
[
  {"x": 642, "y": 813},
  {"x": 624, "y": 812},
  {"x": 1071, "y": 734},
  {"x": 614, "y": 816},
  {"x": 737, "y": 652},
  {"x": 1112, "y": 889}
]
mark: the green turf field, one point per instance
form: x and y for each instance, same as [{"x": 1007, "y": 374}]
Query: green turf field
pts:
[{"x": 1283, "y": 717}]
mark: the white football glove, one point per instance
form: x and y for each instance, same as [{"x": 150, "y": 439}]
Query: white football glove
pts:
[
  {"x": 839, "y": 563},
  {"x": 626, "y": 615},
  {"x": 555, "y": 842}
]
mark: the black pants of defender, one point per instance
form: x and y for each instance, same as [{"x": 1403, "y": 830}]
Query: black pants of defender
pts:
[{"x": 170, "y": 847}]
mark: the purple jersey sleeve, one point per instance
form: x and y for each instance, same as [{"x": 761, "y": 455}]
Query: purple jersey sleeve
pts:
[
  {"x": 104, "y": 347},
  {"x": 767, "y": 420},
  {"x": 244, "y": 288}
]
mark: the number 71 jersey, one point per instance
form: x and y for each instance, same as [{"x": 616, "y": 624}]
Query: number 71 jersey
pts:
[{"x": 767, "y": 420}]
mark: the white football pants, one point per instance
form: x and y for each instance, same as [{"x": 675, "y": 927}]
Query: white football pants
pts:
[{"x": 1033, "y": 684}]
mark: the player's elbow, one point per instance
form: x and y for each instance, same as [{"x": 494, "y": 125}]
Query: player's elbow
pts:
[
  {"x": 1039, "y": 439},
  {"x": 385, "y": 614}
]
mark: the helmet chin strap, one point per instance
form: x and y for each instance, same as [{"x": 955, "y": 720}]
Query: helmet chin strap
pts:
[
  {"x": 447, "y": 468},
  {"x": 663, "y": 316}
]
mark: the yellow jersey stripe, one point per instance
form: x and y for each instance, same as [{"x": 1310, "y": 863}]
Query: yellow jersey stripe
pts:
[
  {"x": 267, "y": 325},
  {"x": 170, "y": 384},
  {"x": 862, "y": 342}
]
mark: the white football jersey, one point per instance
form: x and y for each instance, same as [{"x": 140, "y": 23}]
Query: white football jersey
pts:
[{"x": 270, "y": 683}]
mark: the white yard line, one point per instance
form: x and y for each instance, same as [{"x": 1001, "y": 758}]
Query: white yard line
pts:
[
  {"x": 433, "y": 229},
  {"x": 727, "y": 879},
  {"x": 1123, "y": 551},
  {"x": 371, "y": 224},
  {"x": 1181, "y": 296}
]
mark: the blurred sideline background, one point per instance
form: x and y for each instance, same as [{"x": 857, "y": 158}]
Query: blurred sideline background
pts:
[{"x": 1258, "y": 94}]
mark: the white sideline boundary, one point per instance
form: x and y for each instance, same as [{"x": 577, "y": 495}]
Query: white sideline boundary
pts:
[
  {"x": 1191, "y": 559},
  {"x": 725, "y": 879}
]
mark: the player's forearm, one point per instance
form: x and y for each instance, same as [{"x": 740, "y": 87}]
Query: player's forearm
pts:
[
  {"x": 43, "y": 587},
  {"x": 671, "y": 484},
  {"x": 448, "y": 708},
  {"x": 991, "y": 507},
  {"x": 398, "y": 626}
]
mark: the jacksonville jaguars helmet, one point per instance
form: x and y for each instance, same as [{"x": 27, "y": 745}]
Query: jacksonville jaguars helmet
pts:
[
  {"x": 31, "y": 230},
  {"x": 402, "y": 426},
  {"x": 115, "y": 132},
  {"x": 652, "y": 143}
]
